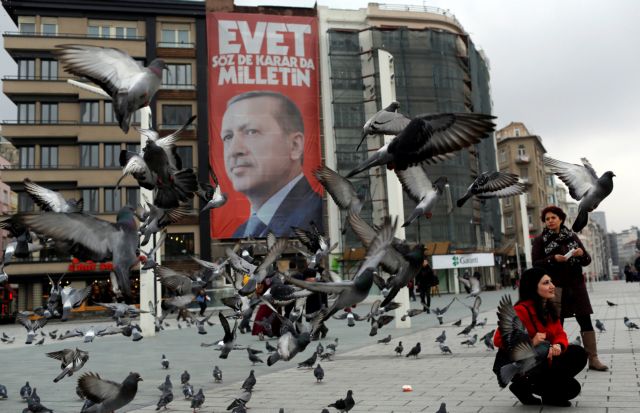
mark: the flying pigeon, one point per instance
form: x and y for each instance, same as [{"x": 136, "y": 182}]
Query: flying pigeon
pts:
[
  {"x": 71, "y": 361},
  {"x": 200, "y": 322},
  {"x": 385, "y": 122},
  {"x": 600, "y": 326},
  {"x": 630, "y": 324},
  {"x": 72, "y": 298},
  {"x": 346, "y": 404},
  {"x": 31, "y": 325},
  {"x": 342, "y": 191},
  {"x": 154, "y": 219},
  {"x": 290, "y": 342},
  {"x": 415, "y": 350},
  {"x": 211, "y": 196},
  {"x": 399, "y": 349},
  {"x": 164, "y": 362},
  {"x": 217, "y": 374},
  {"x": 421, "y": 190},
  {"x": 40, "y": 342},
  {"x": 49, "y": 200},
  {"x": 439, "y": 312},
  {"x": 257, "y": 274},
  {"x": 487, "y": 339},
  {"x": 130, "y": 85},
  {"x": 493, "y": 185},
  {"x": 471, "y": 284},
  {"x": 430, "y": 138},
  {"x": 584, "y": 186},
  {"x": 318, "y": 372},
  {"x": 119, "y": 310},
  {"x": 150, "y": 256},
  {"x": 229, "y": 339},
  {"x": 108, "y": 395},
  {"x": 350, "y": 316},
  {"x": 117, "y": 242}
]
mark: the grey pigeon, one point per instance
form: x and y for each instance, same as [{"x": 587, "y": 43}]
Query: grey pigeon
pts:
[
  {"x": 49, "y": 200},
  {"x": 200, "y": 322},
  {"x": 412, "y": 312},
  {"x": 31, "y": 325},
  {"x": 187, "y": 391},
  {"x": 164, "y": 362},
  {"x": 3, "y": 392},
  {"x": 240, "y": 401},
  {"x": 443, "y": 408},
  {"x": 482, "y": 323},
  {"x": 229, "y": 339},
  {"x": 72, "y": 298},
  {"x": 471, "y": 341},
  {"x": 611, "y": 304},
  {"x": 211, "y": 196},
  {"x": 444, "y": 349},
  {"x": 25, "y": 391},
  {"x": 385, "y": 122},
  {"x": 253, "y": 358},
  {"x": 23, "y": 245},
  {"x": 439, "y": 312},
  {"x": 471, "y": 285},
  {"x": 150, "y": 256},
  {"x": 475, "y": 308},
  {"x": 442, "y": 337},
  {"x": 316, "y": 243},
  {"x": 487, "y": 339},
  {"x": 7, "y": 339},
  {"x": 217, "y": 374},
  {"x": 430, "y": 138},
  {"x": 257, "y": 274},
  {"x": 290, "y": 343},
  {"x": 346, "y": 404},
  {"x": 415, "y": 350},
  {"x": 385, "y": 340},
  {"x": 457, "y": 323},
  {"x": 493, "y": 185},
  {"x": 70, "y": 361},
  {"x": 333, "y": 346},
  {"x": 467, "y": 330},
  {"x": 399, "y": 349},
  {"x": 412, "y": 258},
  {"x": 308, "y": 363},
  {"x": 630, "y": 324},
  {"x": 584, "y": 186},
  {"x": 318, "y": 373},
  {"x": 249, "y": 382},
  {"x": 350, "y": 316},
  {"x": 166, "y": 384},
  {"x": 104, "y": 239},
  {"x": 108, "y": 395},
  {"x": 600, "y": 326},
  {"x": 165, "y": 399},
  {"x": 270, "y": 348},
  {"x": 54, "y": 302},
  {"x": 40, "y": 342},
  {"x": 52, "y": 334},
  {"x": 198, "y": 400},
  {"x": 342, "y": 191},
  {"x": 185, "y": 377},
  {"x": 421, "y": 190},
  {"x": 154, "y": 219},
  {"x": 130, "y": 85},
  {"x": 577, "y": 341},
  {"x": 119, "y": 310},
  {"x": 35, "y": 406},
  {"x": 34, "y": 396},
  {"x": 392, "y": 262}
]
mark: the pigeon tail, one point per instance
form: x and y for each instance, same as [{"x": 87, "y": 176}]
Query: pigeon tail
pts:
[
  {"x": 381, "y": 157},
  {"x": 364, "y": 136},
  {"x": 121, "y": 109},
  {"x": 273, "y": 358},
  {"x": 184, "y": 185},
  {"x": 507, "y": 373},
  {"x": 61, "y": 375},
  {"x": 414, "y": 215},
  {"x": 581, "y": 220},
  {"x": 462, "y": 200}
]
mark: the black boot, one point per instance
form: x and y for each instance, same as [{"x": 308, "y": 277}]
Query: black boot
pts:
[
  {"x": 559, "y": 392},
  {"x": 522, "y": 389},
  {"x": 323, "y": 330}
]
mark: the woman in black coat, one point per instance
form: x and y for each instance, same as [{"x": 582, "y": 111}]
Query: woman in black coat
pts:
[{"x": 550, "y": 251}]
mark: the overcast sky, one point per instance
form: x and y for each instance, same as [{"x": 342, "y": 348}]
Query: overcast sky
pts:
[{"x": 570, "y": 70}]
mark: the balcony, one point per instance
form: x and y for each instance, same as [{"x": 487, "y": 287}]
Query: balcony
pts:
[
  {"x": 522, "y": 159},
  {"x": 18, "y": 41},
  {"x": 76, "y": 174},
  {"x": 177, "y": 92},
  {"x": 37, "y": 85},
  {"x": 173, "y": 50},
  {"x": 17, "y": 129}
]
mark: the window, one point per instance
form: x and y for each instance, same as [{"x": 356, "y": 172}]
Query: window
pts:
[
  {"x": 99, "y": 30},
  {"x": 103, "y": 29},
  {"x": 524, "y": 173},
  {"x": 177, "y": 75},
  {"x": 48, "y": 69},
  {"x": 26, "y": 112},
  {"x": 530, "y": 219},
  {"x": 26, "y": 69},
  {"x": 111, "y": 156},
  {"x": 48, "y": 156},
  {"x": 90, "y": 198},
  {"x": 25, "y": 202},
  {"x": 27, "y": 157},
  {"x": 89, "y": 112},
  {"x": 111, "y": 200},
  {"x": 133, "y": 147},
  {"x": 109, "y": 114},
  {"x": 550, "y": 200},
  {"x": 516, "y": 132},
  {"x": 179, "y": 245},
  {"x": 133, "y": 196},
  {"x": 50, "y": 29},
  {"x": 126, "y": 32},
  {"x": 186, "y": 156},
  {"x": 27, "y": 25},
  {"x": 49, "y": 113},
  {"x": 507, "y": 201},
  {"x": 89, "y": 156},
  {"x": 521, "y": 150},
  {"x": 503, "y": 155},
  {"x": 508, "y": 221},
  {"x": 175, "y": 35},
  {"x": 174, "y": 116}
]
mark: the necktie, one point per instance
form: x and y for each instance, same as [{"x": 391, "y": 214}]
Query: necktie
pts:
[{"x": 254, "y": 227}]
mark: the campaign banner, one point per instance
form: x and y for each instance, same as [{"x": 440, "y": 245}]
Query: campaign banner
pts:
[{"x": 264, "y": 123}]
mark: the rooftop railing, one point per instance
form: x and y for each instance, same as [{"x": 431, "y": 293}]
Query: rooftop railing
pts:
[{"x": 72, "y": 36}]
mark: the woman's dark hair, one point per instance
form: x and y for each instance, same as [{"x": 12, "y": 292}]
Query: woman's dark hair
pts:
[
  {"x": 554, "y": 210},
  {"x": 529, "y": 291}
]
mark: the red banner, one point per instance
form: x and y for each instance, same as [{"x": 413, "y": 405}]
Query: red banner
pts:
[{"x": 264, "y": 135}]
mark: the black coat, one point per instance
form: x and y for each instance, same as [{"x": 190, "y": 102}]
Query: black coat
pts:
[{"x": 568, "y": 274}]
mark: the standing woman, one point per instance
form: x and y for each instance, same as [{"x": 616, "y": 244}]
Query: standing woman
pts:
[{"x": 549, "y": 251}]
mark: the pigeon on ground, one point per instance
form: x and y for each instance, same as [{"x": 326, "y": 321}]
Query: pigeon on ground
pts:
[
  {"x": 70, "y": 361},
  {"x": 105, "y": 240},
  {"x": 328, "y": 355},
  {"x": 471, "y": 341},
  {"x": 482, "y": 323},
  {"x": 346, "y": 404},
  {"x": 7, "y": 339},
  {"x": 457, "y": 323},
  {"x": 333, "y": 346},
  {"x": 269, "y": 347},
  {"x": 467, "y": 330},
  {"x": 185, "y": 377},
  {"x": 72, "y": 298},
  {"x": 31, "y": 325},
  {"x": 52, "y": 334},
  {"x": 187, "y": 391},
  {"x": 443, "y": 408},
  {"x": 200, "y": 322},
  {"x": 630, "y": 324},
  {"x": 600, "y": 326},
  {"x": 350, "y": 316},
  {"x": 318, "y": 372},
  {"x": 444, "y": 349},
  {"x": 342, "y": 191},
  {"x": 399, "y": 349},
  {"x": 430, "y": 138},
  {"x": 198, "y": 400},
  {"x": 487, "y": 339},
  {"x": 442, "y": 337},
  {"x": 308, "y": 363},
  {"x": 249, "y": 382},
  {"x": 421, "y": 190},
  {"x": 166, "y": 384},
  {"x": 211, "y": 196},
  {"x": 3, "y": 392},
  {"x": 34, "y": 406},
  {"x": 217, "y": 374},
  {"x": 25, "y": 391},
  {"x": 414, "y": 351},
  {"x": 40, "y": 342},
  {"x": 584, "y": 186},
  {"x": 34, "y": 396},
  {"x": 108, "y": 395},
  {"x": 577, "y": 341},
  {"x": 164, "y": 362},
  {"x": 240, "y": 401},
  {"x": 611, "y": 304},
  {"x": 439, "y": 312},
  {"x": 493, "y": 185},
  {"x": 165, "y": 399},
  {"x": 385, "y": 340},
  {"x": 49, "y": 200},
  {"x": 385, "y": 122},
  {"x": 253, "y": 358},
  {"x": 129, "y": 85}
]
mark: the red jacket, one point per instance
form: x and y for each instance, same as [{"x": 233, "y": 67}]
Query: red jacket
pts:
[{"x": 528, "y": 316}]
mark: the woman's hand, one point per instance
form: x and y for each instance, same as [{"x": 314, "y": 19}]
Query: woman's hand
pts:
[
  {"x": 579, "y": 252},
  {"x": 560, "y": 258},
  {"x": 554, "y": 351},
  {"x": 539, "y": 338}
]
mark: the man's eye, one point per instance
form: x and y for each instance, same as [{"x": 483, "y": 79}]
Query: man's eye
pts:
[
  {"x": 251, "y": 131},
  {"x": 227, "y": 137}
]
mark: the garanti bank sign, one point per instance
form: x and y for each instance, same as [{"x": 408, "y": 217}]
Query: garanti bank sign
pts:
[{"x": 440, "y": 262}]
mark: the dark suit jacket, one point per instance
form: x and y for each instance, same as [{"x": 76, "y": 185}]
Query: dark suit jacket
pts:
[{"x": 301, "y": 206}]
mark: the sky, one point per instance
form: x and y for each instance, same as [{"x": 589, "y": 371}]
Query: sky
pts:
[{"x": 569, "y": 70}]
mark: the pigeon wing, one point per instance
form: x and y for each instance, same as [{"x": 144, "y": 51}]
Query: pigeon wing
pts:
[
  {"x": 46, "y": 199},
  {"x": 341, "y": 190},
  {"x": 515, "y": 189},
  {"x": 178, "y": 281},
  {"x": 509, "y": 324},
  {"x": 96, "y": 389},
  {"x": 238, "y": 263},
  {"x": 579, "y": 179},
  {"x": 494, "y": 181},
  {"x": 324, "y": 287},
  {"x": 415, "y": 182},
  {"x": 392, "y": 261},
  {"x": 59, "y": 355},
  {"x": 388, "y": 123},
  {"x": 271, "y": 257}
]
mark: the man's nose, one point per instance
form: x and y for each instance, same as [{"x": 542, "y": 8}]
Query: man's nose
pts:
[{"x": 237, "y": 146}]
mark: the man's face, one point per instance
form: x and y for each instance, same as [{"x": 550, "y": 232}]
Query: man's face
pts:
[{"x": 259, "y": 156}]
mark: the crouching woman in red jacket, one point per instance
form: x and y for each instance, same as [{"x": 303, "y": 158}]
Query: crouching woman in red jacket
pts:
[{"x": 553, "y": 378}]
